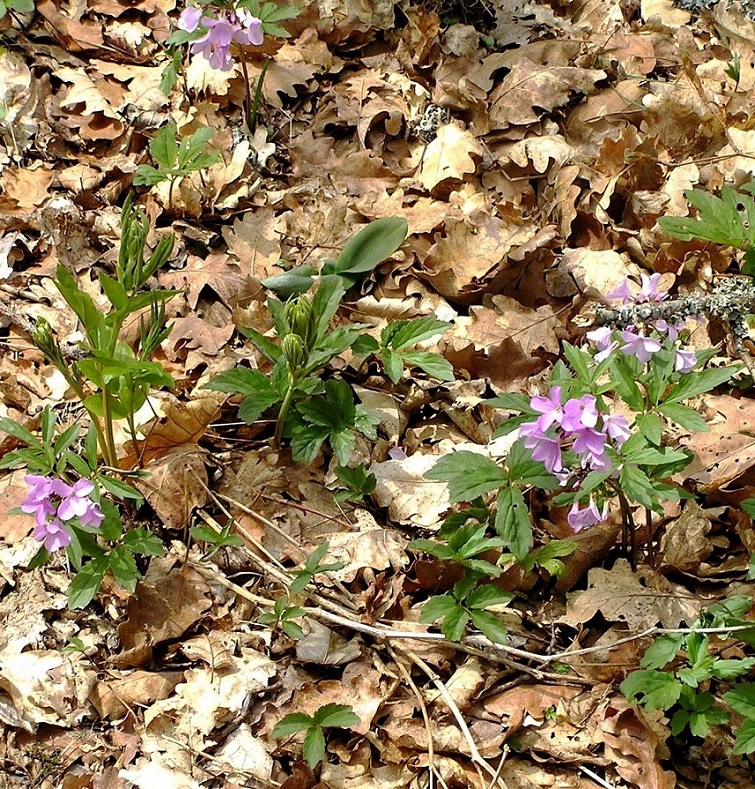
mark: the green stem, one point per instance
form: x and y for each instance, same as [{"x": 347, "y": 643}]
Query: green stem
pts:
[
  {"x": 101, "y": 438},
  {"x": 252, "y": 104},
  {"x": 283, "y": 413},
  {"x": 107, "y": 417}
]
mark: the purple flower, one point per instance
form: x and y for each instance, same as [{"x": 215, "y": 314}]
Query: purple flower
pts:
[
  {"x": 549, "y": 407},
  {"x": 52, "y": 502},
  {"x": 648, "y": 291},
  {"x": 53, "y": 534},
  {"x": 544, "y": 448},
  {"x": 638, "y": 345},
  {"x": 579, "y": 519},
  {"x": 589, "y": 440},
  {"x": 672, "y": 331},
  {"x": 617, "y": 428},
  {"x": 603, "y": 339},
  {"x": 580, "y": 413},
  {"x": 190, "y": 18},
  {"x": 252, "y": 28},
  {"x": 684, "y": 361}
]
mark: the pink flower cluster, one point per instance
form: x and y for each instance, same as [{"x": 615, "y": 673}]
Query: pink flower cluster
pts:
[
  {"x": 53, "y": 503},
  {"x": 224, "y": 27},
  {"x": 579, "y": 426},
  {"x": 635, "y": 343}
]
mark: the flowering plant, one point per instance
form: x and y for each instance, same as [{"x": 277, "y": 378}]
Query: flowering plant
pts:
[
  {"x": 598, "y": 432},
  {"x": 215, "y": 28}
]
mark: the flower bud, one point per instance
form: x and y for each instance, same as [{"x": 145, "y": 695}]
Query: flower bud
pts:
[
  {"x": 293, "y": 352},
  {"x": 44, "y": 339},
  {"x": 299, "y": 317}
]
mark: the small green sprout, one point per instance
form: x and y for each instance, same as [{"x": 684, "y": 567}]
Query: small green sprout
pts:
[{"x": 340, "y": 716}]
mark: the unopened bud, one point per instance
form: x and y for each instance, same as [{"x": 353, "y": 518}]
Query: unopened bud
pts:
[
  {"x": 45, "y": 340},
  {"x": 293, "y": 352},
  {"x": 298, "y": 315}
]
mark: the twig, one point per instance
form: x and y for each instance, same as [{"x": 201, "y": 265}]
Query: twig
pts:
[
  {"x": 596, "y": 777},
  {"x": 423, "y": 708},
  {"x": 477, "y": 759}
]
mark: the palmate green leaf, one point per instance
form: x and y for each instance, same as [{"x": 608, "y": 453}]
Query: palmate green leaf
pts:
[
  {"x": 340, "y": 716},
  {"x": 191, "y": 153},
  {"x": 86, "y": 583},
  {"x": 433, "y": 364},
  {"x": 313, "y": 749},
  {"x": 292, "y": 724},
  {"x": 719, "y": 219},
  {"x": 399, "y": 335},
  {"x": 744, "y": 741},
  {"x": 656, "y": 690},
  {"x": 469, "y": 475},
  {"x": 164, "y": 147},
  {"x": 512, "y": 522},
  {"x": 307, "y": 441},
  {"x": 490, "y": 625}
]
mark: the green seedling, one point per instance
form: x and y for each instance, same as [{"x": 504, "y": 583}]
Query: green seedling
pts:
[
  {"x": 339, "y": 716},
  {"x": 358, "y": 483},
  {"x": 311, "y": 568},
  {"x": 282, "y": 617}
]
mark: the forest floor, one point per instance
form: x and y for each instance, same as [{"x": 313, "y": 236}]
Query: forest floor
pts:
[{"x": 531, "y": 147}]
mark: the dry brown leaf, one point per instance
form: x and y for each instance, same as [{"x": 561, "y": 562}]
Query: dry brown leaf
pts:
[
  {"x": 451, "y": 155},
  {"x": 685, "y": 542},
  {"x": 727, "y": 450},
  {"x": 634, "y": 747},
  {"x": 217, "y": 271},
  {"x": 168, "y": 601},
  {"x": 176, "y": 484},
  {"x": 530, "y": 89},
  {"x": 183, "y": 423},
  {"x": 115, "y": 696},
  {"x": 639, "y": 599}
]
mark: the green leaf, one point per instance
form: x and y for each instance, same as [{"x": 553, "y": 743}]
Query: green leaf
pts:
[
  {"x": 124, "y": 567},
  {"x": 393, "y": 364},
  {"x": 684, "y": 416},
  {"x": 20, "y": 433},
  {"x": 490, "y": 625},
  {"x": 293, "y": 282},
  {"x": 163, "y": 147},
  {"x": 469, "y": 475},
  {"x": 86, "y": 583},
  {"x": 512, "y": 522},
  {"x": 486, "y": 596},
  {"x": 637, "y": 485},
  {"x": 291, "y": 724},
  {"x": 524, "y": 471},
  {"x": 744, "y": 741},
  {"x": 662, "y": 651},
  {"x": 143, "y": 542},
  {"x": 401, "y": 334},
  {"x": 742, "y": 699},
  {"x": 511, "y": 402},
  {"x": 719, "y": 219},
  {"x": 314, "y": 746},
  {"x": 436, "y": 608},
  {"x": 732, "y": 668},
  {"x": 370, "y": 246},
  {"x": 120, "y": 489},
  {"x": 147, "y": 175},
  {"x": 431, "y": 363},
  {"x": 650, "y": 426},
  {"x": 697, "y": 383},
  {"x": 341, "y": 716},
  {"x": 656, "y": 690}
]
